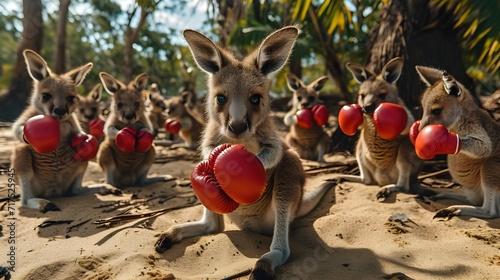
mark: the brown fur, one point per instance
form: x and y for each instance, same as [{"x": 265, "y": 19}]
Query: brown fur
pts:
[
  {"x": 57, "y": 173},
  {"x": 311, "y": 143},
  {"x": 90, "y": 107},
  {"x": 476, "y": 167},
  {"x": 156, "y": 108},
  {"x": 238, "y": 107},
  {"x": 392, "y": 164},
  {"x": 127, "y": 110},
  {"x": 184, "y": 109}
]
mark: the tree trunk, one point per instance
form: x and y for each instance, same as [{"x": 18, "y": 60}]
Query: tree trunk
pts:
[
  {"x": 17, "y": 97},
  {"x": 409, "y": 29},
  {"x": 60, "y": 55},
  {"x": 131, "y": 35}
]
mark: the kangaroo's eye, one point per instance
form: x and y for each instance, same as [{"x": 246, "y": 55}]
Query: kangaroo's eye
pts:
[
  {"x": 46, "y": 96},
  {"x": 71, "y": 98},
  {"x": 221, "y": 99},
  {"x": 299, "y": 98},
  {"x": 362, "y": 95},
  {"x": 254, "y": 99},
  {"x": 436, "y": 112},
  {"x": 119, "y": 105},
  {"x": 382, "y": 95},
  {"x": 136, "y": 105}
]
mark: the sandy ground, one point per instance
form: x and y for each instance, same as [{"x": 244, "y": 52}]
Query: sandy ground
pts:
[{"x": 348, "y": 236}]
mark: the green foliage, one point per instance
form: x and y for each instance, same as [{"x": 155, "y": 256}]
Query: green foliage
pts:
[{"x": 479, "y": 27}]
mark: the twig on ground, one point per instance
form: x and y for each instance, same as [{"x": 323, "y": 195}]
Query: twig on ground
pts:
[
  {"x": 70, "y": 228},
  {"x": 238, "y": 275},
  {"x": 51, "y": 223},
  {"x": 421, "y": 177}
]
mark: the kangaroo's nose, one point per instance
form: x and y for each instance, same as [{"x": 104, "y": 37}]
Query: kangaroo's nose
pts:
[
  {"x": 60, "y": 111},
  {"x": 369, "y": 108},
  {"x": 238, "y": 127},
  {"x": 129, "y": 116}
]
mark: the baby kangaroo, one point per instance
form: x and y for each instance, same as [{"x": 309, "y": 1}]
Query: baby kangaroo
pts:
[
  {"x": 55, "y": 160},
  {"x": 156, "y": 111},
  {"x": 183, "y": 108},
  {"x": 310, "y": 142},
  {"x": 446, "y": 102},
  {"x": 238, "y": 112},
  {"x": 127, "y": 154},
  {"x": 392, "y": 163},
  {"x": 89, "y": 112}
]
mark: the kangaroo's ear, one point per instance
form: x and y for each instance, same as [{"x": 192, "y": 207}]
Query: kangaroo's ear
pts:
[
  {"x": 359, "y": 73},
  {"x": 77, "y": 75},
  {"x": 188, "y": 98},
  {"x": 96, "y": 92},
  {"x": 392, "y": 70},
  {"x": 111, "y": 85},
  {"x": 36, "y": 65},
  {"x": 205, "y": 53},
  {"x": 140, "y": 82},
  {"x": 319, "y": 83},
  {"x": 274, "y": 51},
  {"x": 450, "y": 84},
  {"x": 429, "y": 75},
  {"x": 293, "y": 82}
]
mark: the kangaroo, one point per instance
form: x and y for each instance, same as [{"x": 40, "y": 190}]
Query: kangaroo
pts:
[
  {"x": 238, "y": 111},
  {"x": 156, "y": 111},
  {"x": 392, "y": 164},
  {"x": 127, "y": 110},
  {"x": 447, "y": 102},
  {"x": 57, "y": 173},
  {"x": 89, "y": 107},
  {"x": 183, "y": 108},
  {"x": 311, "y": 143}
]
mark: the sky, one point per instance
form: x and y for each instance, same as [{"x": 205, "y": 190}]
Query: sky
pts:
[{"x": 192, "y": 16}]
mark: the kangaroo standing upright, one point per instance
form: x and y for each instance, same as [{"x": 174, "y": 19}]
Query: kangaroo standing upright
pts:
[
  {"x": 392, "y": 164},
  {"x": 311, "y": 143},
  {"x": 59, "y": 172},
  {"x": 476, "y": 166},
  {"x": 238, "y": 108},
  {"x": 127, "y": 125}
]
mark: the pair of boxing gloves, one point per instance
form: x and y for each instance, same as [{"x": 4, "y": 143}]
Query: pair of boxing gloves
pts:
[
  {"x": 306, "y": 117},
  {"x": 43, "y": 132},
  {"x": 390, "y": 120},
  {"x": 230, "y": 176}
]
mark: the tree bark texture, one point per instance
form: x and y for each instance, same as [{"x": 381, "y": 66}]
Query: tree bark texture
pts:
[
  {"x": 60, "y": 54},
  {"x": 17, "y": 97}
]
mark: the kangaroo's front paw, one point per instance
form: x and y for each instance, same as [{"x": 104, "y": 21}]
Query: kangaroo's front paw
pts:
[
  {"x": 383, "y": 194},
  {"x": 262, "y": 271},
  {"x": 46, "y": 206},
  {"x": 447, "y": 213},
  {"x": 109, "y": 189},
  {"x": 165, "y": 242}
]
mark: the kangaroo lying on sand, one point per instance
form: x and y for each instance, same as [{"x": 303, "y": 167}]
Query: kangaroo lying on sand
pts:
[
  {"x": 238, "y": 111},
  {"x": 57, "y": 171}
]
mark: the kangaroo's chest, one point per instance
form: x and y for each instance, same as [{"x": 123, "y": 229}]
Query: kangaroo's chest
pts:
[
  {"x": 465, "y": 170},
  {"x": 127, "y": 161},
  {"x": 307, "y": 137},
  {"x": 381, "y": 152}
]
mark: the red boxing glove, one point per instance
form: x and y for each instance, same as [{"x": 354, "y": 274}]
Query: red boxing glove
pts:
[
  {"x": 390, "y": 120},
  {"x": 436, "y": 140},
  {"x": 42, "y": 133},
  {"x": 231, "y": 175},
  {"x": 320, "y": 114},
  {"x": 414, "y": 131},
  {"x": 85, "y": 146},
  {"x": 97, "y": 127},
  {"x": 172, "y": 126},
  {"x": 125, "y": 140},
  {"x": 350, "y": 118},
  {"x": 144, "y": 140},
  {"x": 304, "y": 118}
]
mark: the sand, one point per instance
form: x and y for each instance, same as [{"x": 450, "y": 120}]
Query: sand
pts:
[{"x": 348, "y": 236}]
